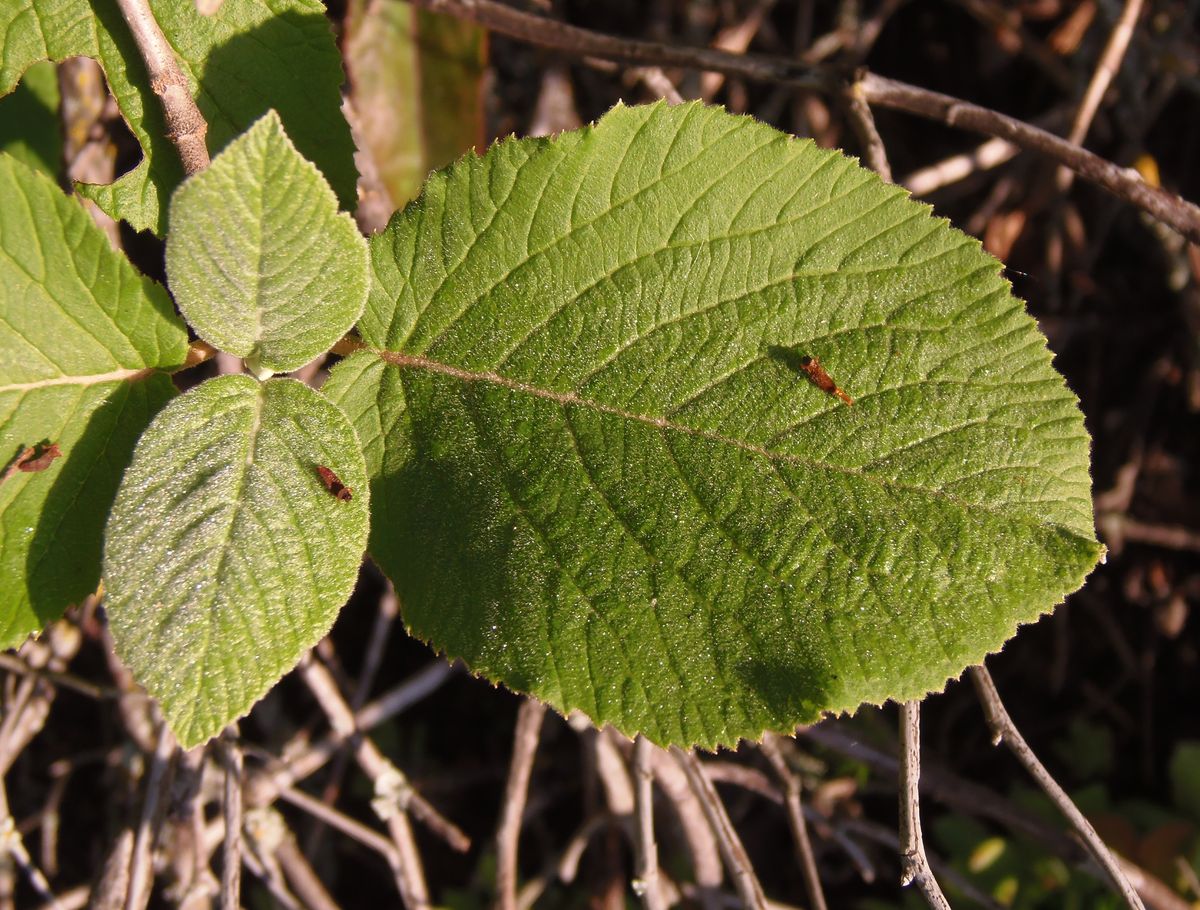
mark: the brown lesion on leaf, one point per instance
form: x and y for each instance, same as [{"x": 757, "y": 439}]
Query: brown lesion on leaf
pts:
[
  {"x": 33, "y": 459},
  {"x": 811, "y": 367}
]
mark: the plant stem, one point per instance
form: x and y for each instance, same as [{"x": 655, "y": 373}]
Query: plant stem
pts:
[
  {"x": 1003, "y": 729},
  {"x": 186, "y": 126},
  {"x": 915, "y": 868}
]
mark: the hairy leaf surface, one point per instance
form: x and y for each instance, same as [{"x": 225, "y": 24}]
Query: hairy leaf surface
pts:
[
  {"x": 259, "y": 259},
  {"x": 84, "y": 341},
  {"x": 248, "y": 57},
  {"x": 605, "y": 471},
  {"x": 603, "y": 476},
  {"x": 226, "y": 556}
]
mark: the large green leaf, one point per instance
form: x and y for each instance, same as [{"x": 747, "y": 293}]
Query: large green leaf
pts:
[
  {"x": 226, "y": 556},
  {"x": 602, "y": 476},
  {"x": 248, "y": 57},
  {"x": 83, "y": 340},
  {"x": 260, "y": 260}
]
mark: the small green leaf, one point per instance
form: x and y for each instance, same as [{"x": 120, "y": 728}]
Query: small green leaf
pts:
[
  {"x": 226, "y": 557},
  {"x": 259, "y": 259},
  {"x": 83, "y": 341},
  {"x": 602, "y": 474},
  {"x": 248, "y": 57}
]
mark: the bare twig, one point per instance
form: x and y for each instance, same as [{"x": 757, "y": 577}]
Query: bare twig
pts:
[
  {"x": 701, "y": 841},
  {"x": 1173, "y": 211},
  {"x": 565, "y": 864},
  {"x": 864, "y": 126},
  {"x": 14, "y": 663},
  {"x": 915, "y": 864},
  {"x": 353, "y": 829},
  {"x": 1119, "y": 529},
  {"x": 508, "y": 831},
  {"x": 1003, "y": 729},
  {"x": 583, "y": 42},
  {"x": 790, "y": 781},
  {"x": 732, "y": 851},
  {"x": 231, "y": 855},
  {"x": 300, "y": 875},
  {"x": 1106, "y": 69},
  {"x": 13, "y": 846},
  {"x": 186, "y": 126},
  {"x": 647, "y": 884},
  {"x": 140, "y": 871},
  {"x": 410, "y": 878},
  {"x": 886, "y": 836},
  {"x": 194, "y": 883},
  {"x": 385, "y": 614},
  {"x": 972, "y": 799}
]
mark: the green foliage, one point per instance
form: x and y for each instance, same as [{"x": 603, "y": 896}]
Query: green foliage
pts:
[
  {"x": 1185, "y": 778},
  {"x": 29, "y": 129},
  {"x": 260, "y": 261},
  {"x": 226, "y": 558},
  {"x": 602, "y": 476},
  {"x": 84, "y": 341},
  {"x": 249, "y": 56}
]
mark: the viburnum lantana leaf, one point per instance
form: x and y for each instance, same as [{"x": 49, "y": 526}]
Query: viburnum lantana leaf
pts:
[
  {"x": 259, "y": 259},
  {"x": 228, "y": 552},
  {"x": 603, "y": 475},
  {"x": 245, "y": 58},
  {"x": 85, "y": 343}
]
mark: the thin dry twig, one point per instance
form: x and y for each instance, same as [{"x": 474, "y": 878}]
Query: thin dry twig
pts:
[
  {"x": 231, "y": 853},
  {"x": 1003, "y": 729},
  {"x": 186, "y": 126},
  {"x": 701, "y": 841},
  {"x": 410, "y": 877},
  {"x": 915, "y": 869},
  {"x": 772, "y": 748},
  {"x": 157, "y": 781},
  {"x": 1126, "y": 184},
  {"x": 647, "y": 885},
  {"x": 972, "y": 799},
  {"x": 565, "y": 864},
  {"x": 12, "y": 846},
  {"x": 353, "y": 829},
  {"x": 508, "y": 831},
  {"x": 864, "y": 126},
  {"x": 1178, "y": 213},
  {"x": 732, "y": 852},
  {"x": 1106, "y": 70}
]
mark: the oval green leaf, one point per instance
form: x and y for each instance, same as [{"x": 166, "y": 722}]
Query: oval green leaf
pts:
[
  {"x": 259, "y": 258},
  {"x": 603, "y": 475},
  {"x": 226, "y": 555},
  {"x": 85, "y": 346}
]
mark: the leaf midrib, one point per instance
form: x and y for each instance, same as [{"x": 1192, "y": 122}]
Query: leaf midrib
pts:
[{"x": 570, "y": 399}]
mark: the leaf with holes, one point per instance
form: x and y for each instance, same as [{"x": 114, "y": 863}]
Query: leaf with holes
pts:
[
  {"x": 225, "y": 557},
  {"x": 245, "y": 58},
  {"x": 85, "y": 347},
  {"x": 260, "y": 260},
  {"x": 602, "y": 475}
]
